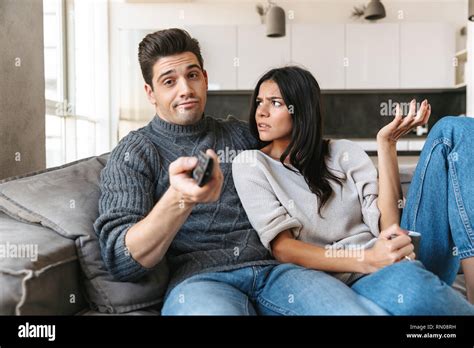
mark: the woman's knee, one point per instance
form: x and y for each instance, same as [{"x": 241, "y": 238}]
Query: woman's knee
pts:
[
  {"x": 448, "y": 124},
  {"x": 404, "y": 288}
]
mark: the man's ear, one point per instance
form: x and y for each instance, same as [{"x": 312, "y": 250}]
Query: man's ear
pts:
[
  {"x": 149, "y": 94},
  {"x": 204, "y": 72}
]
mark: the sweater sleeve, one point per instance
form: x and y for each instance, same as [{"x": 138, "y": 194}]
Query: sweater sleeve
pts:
[
  {"x": 127, "y": 187},
  {"x": 265, "y": 212},
  {"x": 361, "y": 171}
]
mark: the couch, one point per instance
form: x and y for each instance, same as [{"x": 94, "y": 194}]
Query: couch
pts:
[{"x": 50, "y": 261}]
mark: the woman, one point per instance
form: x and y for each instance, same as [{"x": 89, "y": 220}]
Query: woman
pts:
[{"x": 316, "y": 203}]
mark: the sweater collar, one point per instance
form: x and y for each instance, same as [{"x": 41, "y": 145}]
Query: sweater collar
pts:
[{"x": 171, "y": 128}]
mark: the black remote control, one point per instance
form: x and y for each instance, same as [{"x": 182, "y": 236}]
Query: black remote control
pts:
[{"x": 202, "y": 172}]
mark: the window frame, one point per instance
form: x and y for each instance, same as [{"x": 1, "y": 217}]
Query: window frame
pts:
[{"x": 65, "y": 107}]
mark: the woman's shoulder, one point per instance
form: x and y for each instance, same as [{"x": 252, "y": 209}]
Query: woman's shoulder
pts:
[
  {"x": 346, "y": 150},
  {"x": 251, "y": 166},
  {"x": 341, "y": 145},
  {"x": 249, "y": 158},
  {"x": 344, "y": 155}
]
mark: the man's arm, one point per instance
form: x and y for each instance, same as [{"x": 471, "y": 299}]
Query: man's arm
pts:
[
  {"x": 134, "y": 233},
  {"x": 149, "y": 239}
]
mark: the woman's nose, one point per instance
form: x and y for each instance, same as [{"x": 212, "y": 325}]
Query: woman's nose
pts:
[{"x": 263, "y": 110}]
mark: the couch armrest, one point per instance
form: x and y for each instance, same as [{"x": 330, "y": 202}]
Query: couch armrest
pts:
[{"x": 39, "y": 271}]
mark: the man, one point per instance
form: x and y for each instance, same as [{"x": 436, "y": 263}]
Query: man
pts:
[{"x": 150, "y": 207}]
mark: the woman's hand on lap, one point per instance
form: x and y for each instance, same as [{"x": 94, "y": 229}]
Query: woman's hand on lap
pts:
[{"x": 393, "y": 245}]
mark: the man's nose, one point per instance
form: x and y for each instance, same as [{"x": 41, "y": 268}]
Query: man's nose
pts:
[{"x": 185, "y": 89}]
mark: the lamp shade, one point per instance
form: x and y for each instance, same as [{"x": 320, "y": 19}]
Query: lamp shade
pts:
[
  {"x": 275, "y": 20},
  {"x": 374, "y": 10},
  {"x": 471, "y": 10}
]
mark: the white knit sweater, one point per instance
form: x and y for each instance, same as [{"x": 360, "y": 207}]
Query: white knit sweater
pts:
[{"x": 277, "y": 199}]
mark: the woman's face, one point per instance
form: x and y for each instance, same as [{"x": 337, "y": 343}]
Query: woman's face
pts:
[{"x": 274, "y": 121}]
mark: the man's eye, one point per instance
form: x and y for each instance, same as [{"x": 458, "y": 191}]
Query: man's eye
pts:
[
  {"x": 168, "y": 82},
  {"x": 193, "y": 75}
]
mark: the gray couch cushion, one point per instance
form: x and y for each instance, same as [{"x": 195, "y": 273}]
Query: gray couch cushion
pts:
[
  {"x": 39, "y": 271},
  {"x": 65, "y": 199},
  {"x": 406, "y": 174}
]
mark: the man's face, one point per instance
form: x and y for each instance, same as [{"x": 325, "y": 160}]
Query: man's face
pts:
[{"x": 179, "y": 89}]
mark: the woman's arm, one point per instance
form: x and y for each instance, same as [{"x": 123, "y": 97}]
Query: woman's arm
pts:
[
  {"x": 385, "y": 252},
  {"x": 390, "y": 191}
]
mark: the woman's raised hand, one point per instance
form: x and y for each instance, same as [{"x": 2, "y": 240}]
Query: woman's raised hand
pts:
[{"x": 402, "y": 125}]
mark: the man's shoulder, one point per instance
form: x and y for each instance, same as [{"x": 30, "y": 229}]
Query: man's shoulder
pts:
[
  {"x": 135, "y": 148},
  {"x": 135, "y": 140},
  {"x": 237, "y": 129},
  {"x": 230, "y": 122}
]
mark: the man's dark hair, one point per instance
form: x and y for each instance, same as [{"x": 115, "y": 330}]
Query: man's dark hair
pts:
[{"x": 165, "y": 43}]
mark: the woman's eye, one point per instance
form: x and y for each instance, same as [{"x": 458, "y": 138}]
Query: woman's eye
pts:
[
  {"x": 277, "y": 103},
  {"x": 258, "y": 102}
]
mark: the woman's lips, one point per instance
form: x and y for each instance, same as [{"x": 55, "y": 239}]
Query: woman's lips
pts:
[{"x": 263, "y": 127}]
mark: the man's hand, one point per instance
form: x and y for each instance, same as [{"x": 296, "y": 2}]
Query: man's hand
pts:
[
  {"x": 392, "y": 246},
  {"x": 182, "y": 182},
  {"x": 401, "y": 126}
]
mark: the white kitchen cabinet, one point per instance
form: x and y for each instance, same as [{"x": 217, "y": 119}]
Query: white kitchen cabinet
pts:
[
  {"x": 219, "y": 50},
  {"x": 372, "y": 51},
  {"x": 320, "y": 49},
  {"x": 258, "y": 53},
  {"x": 416, "y": 144},
  {"x": 427, "y": 51}
]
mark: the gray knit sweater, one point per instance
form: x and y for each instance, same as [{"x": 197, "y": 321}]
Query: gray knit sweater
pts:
[{"x": 216, "y": 236}]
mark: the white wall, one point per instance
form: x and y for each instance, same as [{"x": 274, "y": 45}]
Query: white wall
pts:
[
  {"x": 124, "y": 15},
  {"x": 22, "y": 105}
]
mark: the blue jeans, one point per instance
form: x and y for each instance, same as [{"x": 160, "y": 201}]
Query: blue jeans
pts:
[
  {"x": 440, "y": 202},
  {"x": 440, "y": 206},
  {"x": 284, "y": 289}
]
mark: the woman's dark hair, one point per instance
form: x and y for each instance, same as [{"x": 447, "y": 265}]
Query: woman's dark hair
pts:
[
  {"x": 307, "y": 150},
  {"x": 165, "y": 43}
]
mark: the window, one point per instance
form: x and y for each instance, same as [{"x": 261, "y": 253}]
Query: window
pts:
[
  {"x": 76, "y": 78},
  {"x": 55, "y": 93}
]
